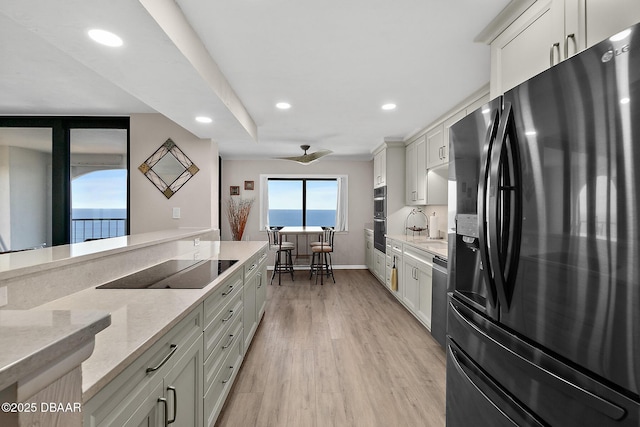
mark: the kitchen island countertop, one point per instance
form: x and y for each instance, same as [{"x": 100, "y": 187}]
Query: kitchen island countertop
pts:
[{"x": 139, "y": 317}]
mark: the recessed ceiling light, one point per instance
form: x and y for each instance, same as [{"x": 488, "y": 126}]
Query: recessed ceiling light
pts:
[
  {"x": 203, "y": 119},
  {"x": 389, "y": 106},
  {"x": 625, "y": 100},
  {"x": 105, "y": 37},
  {"x": 620, "y": 36},
  {"x": 283, "y": 105}
]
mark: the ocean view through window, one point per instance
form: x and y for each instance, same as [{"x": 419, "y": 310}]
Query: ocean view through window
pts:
[
  {"x": 99, "y": 205},
  {"x": 305, "y": 201}
]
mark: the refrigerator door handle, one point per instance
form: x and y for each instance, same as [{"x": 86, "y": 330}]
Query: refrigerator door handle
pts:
[
  {"x": 505, "y": 207},
  {"x": 586, "y": 397},
  {"x": 487, "y": 262},
  {"x": 489, "y": 390}
]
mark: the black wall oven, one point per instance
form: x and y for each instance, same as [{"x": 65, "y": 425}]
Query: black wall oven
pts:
[{"x": 379, "y": 217}]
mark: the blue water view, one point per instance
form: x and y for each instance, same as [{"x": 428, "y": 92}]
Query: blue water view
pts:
[
  {"x": 319, "y": 217},
  {"x": 98, "y": 213}
]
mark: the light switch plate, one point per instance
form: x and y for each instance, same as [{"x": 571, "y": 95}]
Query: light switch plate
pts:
[{"x": 176, "y": 213}]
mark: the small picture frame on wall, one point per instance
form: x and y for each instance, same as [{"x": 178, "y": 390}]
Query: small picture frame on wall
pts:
[
  {"x": 235, "y": 190},
  {"x": 248, "y": 185}
]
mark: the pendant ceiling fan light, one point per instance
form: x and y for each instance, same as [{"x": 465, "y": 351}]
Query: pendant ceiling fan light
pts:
[{"x": 306, "y": 159}]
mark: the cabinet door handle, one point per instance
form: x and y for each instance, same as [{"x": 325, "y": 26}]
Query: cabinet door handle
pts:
[
  {"x": 173, "y": 391},
  {"x": 229, "y": 377},
  {"x": 253, "y": 267},
  {"x": 566, "y": 45},
  {"x": 228, "y": 343},
  {"x": 228, "y": 317},
  {"x": 224, "y": 294},
  {"x": 173, "y": 348},
  {"x": 553, "y": 47},
  {"x": 166, "y": 410}
]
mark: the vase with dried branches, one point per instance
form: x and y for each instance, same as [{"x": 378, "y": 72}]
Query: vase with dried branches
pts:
[{"x": 238, "y": 212}]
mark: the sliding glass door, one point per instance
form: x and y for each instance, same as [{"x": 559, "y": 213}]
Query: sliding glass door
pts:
[
  {"x": 98, "y": 183},
  {"x": 57, "y": 171}
]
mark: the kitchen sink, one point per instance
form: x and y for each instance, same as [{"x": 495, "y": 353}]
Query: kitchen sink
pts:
[{"x": 173, "y": 274}]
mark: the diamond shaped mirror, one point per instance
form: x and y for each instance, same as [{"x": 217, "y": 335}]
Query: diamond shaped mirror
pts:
[{"x": 168, "y": 168}]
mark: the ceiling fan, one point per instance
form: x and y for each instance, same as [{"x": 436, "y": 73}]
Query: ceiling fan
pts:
[{"x": 306, "y": 159}]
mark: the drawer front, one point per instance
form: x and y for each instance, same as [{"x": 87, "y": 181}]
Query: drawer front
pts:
[
  {"x": 419, "y": 256},
  {"x": 224, "y": 292},
  {"x": 133, "y": 384},
  {"x": 221, "y": 323},
  {"x": 216, "y": 394},
  {"x": 221, "y": 351}
]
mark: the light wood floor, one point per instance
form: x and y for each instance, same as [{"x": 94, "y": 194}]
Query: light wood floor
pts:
[{"x": 343, "y": 354}]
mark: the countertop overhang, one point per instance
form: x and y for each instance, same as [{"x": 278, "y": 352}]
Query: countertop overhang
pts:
[{"x": 41, "y": 345}]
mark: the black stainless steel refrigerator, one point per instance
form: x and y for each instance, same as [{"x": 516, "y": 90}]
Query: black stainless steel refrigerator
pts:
[{"x": 544, "y": 292}]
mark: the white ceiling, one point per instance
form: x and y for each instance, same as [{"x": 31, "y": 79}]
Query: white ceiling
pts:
[{"x": 335, "y": 61}]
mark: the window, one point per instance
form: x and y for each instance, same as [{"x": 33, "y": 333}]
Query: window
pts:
[{"x": 301, "y": 201}]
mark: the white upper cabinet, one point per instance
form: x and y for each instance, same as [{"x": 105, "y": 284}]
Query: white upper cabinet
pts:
[
  {"x": 550, "y": 31},
  {"x": 380, "y": 169},
  {"x": 437, "y": 150},
  {"x": 416, "y": 172},
  {"x": 528, "y": 46},
  {"x": 603, "y": 18}
]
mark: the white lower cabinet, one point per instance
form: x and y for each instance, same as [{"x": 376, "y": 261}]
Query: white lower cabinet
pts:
[
  {"x": 417, "y": 283},
  {"x": 379, "y": 265},
  {"x": 261, "y": 290},
  {"x": 394, "y": 257},
  {"x": 183, "y": 389},
  {"x": 255, "y": 295},
  {"x": 135, "y": 396},
  {"x": 250, "y": 315},
  {"x": 185, "y": 377},
  {"x": 368, "y": 249}
]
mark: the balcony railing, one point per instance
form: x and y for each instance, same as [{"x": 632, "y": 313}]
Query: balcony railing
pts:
[{"x": 83, "y": 229}]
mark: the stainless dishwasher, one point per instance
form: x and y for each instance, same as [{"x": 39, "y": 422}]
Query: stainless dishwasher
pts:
[{"x": 439, "y": 301}]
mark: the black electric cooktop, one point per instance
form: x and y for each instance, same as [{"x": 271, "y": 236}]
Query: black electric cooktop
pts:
[{"x": 173, "y": 274}]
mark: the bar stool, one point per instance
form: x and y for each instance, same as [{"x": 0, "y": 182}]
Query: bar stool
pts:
[
  {"x": 325, "y": 236},
  {"x": 284, "y": 260},
  {"x": 321, "y": 256}
]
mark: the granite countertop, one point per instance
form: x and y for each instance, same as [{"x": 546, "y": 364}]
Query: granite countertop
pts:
[
  {"x": 139, "y": 317},
  {"x": 34, "y": 340},
  {"x": 435, "y": 246}
]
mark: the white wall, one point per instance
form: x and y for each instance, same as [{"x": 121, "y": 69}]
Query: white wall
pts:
[
  {"x": 197, "y": 199},
  {"x": 349, "y": 245}
]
